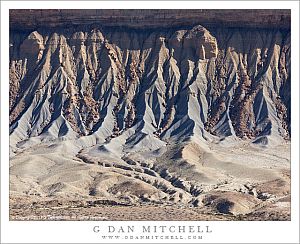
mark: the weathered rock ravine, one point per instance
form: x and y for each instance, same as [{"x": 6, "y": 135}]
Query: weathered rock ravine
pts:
[
  {"x": 140, "y": 113},
  {"x": 166, "y": 83}
]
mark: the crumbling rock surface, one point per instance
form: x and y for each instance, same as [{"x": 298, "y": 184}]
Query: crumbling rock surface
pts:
[
  {"x": 166, "y": 83},
  {"x": 150, "y": 18},
  {"x": 171, "y": 111}
]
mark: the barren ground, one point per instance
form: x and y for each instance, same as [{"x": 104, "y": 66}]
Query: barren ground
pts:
[{"x": 180, "y": 182}]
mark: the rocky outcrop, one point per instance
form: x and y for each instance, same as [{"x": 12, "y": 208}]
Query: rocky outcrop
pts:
[
  {"x": 161, "y": 83},
  {"x": 107, "y": 109},
  {"x": 30, "y": 19}
]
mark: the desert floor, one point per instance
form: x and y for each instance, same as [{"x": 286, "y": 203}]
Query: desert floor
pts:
[{"x": 240, "y": 182}]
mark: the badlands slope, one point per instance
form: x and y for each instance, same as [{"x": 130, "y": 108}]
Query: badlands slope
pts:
[{"x": 183, "y": 116}]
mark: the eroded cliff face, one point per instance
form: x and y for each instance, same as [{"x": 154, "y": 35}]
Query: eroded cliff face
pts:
[
  {"x": 164, "y": 84},
  {"x": 31, "y": 19},
  {"x": 135, "y": 113}
]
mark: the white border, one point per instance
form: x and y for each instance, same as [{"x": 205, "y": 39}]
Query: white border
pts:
[{"x": 81, "y": 232}]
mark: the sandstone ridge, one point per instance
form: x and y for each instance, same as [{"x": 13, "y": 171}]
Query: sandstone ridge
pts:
[{"x": 150, "y": 18}]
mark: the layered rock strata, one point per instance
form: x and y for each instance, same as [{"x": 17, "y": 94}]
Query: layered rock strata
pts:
[{"x": 163, "y": 83}]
